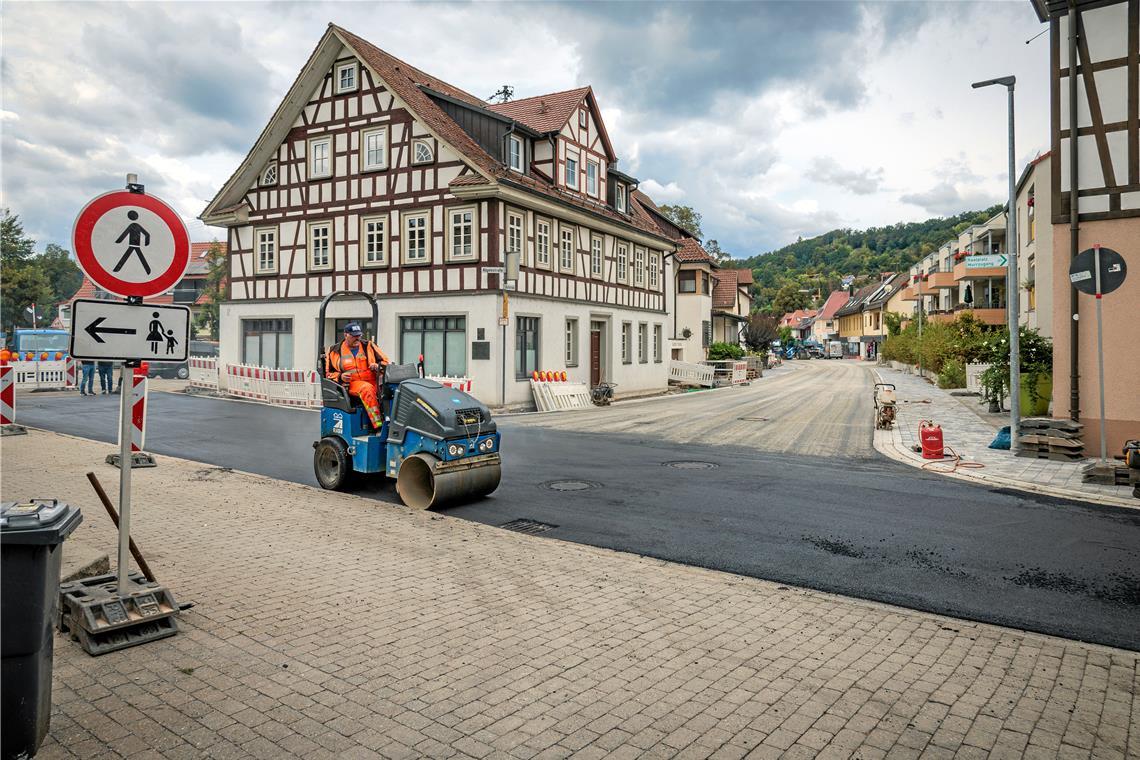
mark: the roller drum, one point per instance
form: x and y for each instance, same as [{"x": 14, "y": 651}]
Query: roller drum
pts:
[{"x": 425, "y": 482}]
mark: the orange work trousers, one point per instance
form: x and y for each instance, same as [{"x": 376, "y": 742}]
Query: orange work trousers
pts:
[{"x": 365, "y": 390}]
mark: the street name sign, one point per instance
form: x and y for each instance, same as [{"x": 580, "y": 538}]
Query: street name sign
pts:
[
  {"x": 1113, "y": 270},
  {"x": 109, "y": 330},
  {"x": 987, "y": 261},
  {"x": 131, "y": 244},
  {"x": 493, "y": 270}
]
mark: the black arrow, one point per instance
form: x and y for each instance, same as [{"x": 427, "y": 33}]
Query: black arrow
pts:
[{"x": 94, "y": 329}]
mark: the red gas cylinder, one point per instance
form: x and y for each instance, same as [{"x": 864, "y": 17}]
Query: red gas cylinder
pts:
[{"x": 931, "y": 437}]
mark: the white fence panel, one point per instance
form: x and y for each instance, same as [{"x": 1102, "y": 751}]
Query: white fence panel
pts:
[
  {"x": 974, "y": 376},
  {"x": 54, "y": 373},
  {"x": 558, "y": 395},
  {"x": 690, "y": 374},
  {"x": 204, "y": 372}
]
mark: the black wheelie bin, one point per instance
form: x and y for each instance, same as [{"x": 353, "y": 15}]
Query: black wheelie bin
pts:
[{"x": 31, "y": 538}]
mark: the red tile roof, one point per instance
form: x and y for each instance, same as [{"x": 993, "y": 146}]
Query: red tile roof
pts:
[
  {"x": 405, "y": 80},
  {"x": 834, "y": 302},
  {"x": 728, "y": 284},
  {"x": 543, "y": 113},
  {"x": 690, "y": 250}
]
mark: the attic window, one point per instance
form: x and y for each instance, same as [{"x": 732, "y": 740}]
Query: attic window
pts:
[
  {"x": 346, "y": 77},
  {"x": 269, "y": 177},
  {"x": 582, "y": 119},
  {"x": 422, "y": 152},
  {"x": 619, "y": 197},
  {"x": 515, "y": 153}
]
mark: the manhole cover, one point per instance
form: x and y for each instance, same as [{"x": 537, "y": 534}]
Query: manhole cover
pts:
[
  {"x": 692, "y": 465},
  {"x": 571, "y": 485},
  {"x": 524, "y": 525}
]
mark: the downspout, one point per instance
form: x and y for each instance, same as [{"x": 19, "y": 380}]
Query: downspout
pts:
[
  {"x": 1074, "y": 213},
  {"x": 676, "y": 272}
]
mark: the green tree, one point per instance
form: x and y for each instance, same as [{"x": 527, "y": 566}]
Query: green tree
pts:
[
  {"x": 684, "y": 217},
  {"x": 15, "y": 246},
  {"x": 789, "y": 298},
  {"x": 63, "y": 276},
  {"x": 21, "y": 281},
  {"x": 217, "y": 288}
]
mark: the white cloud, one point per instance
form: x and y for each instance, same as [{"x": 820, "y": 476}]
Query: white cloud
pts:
[{"x": 670, "y": 193}]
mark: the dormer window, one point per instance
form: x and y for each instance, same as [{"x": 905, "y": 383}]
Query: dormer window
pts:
[
  {"x": 269, "y": 176},
  {"x": 346, "y": 77},
  {"x": 422, "y": 152},
  {"x": 515, "y": 153},
  {"x": 572, "y": 170},
  {"x": 619, "y": 197}
]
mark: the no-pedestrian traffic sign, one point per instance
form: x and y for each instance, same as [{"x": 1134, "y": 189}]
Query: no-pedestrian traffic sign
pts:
[
  {"x": 131, "y": 244},
  {"x": 106, "y": 330}
]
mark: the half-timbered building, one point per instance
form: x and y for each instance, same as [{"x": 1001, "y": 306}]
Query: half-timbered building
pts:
[
  {"x": 373, "y": 175},
  {"x": 1094, "y": 74}
]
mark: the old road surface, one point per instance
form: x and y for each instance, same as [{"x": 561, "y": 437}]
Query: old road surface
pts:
[{"x": 778, "y": 481}]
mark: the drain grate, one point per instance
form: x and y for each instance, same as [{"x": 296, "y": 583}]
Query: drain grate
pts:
[
  {"x": 686, "y": 464},
  {"x": 570, "y": 485},
  {"x": 524, "y": 525}
]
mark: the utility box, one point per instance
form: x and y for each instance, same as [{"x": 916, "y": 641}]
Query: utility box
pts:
[{"x": 31, "y": 538}]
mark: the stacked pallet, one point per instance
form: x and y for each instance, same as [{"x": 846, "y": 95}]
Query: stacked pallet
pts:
[
  {"x": 1045, "y": 438},
  {"x": 1110, "y": 473}
]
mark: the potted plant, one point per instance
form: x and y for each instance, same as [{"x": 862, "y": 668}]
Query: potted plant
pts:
[{"x": 1036, "y": 372}]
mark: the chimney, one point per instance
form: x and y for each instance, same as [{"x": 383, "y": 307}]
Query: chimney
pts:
[{"x": 542, "y": 106}]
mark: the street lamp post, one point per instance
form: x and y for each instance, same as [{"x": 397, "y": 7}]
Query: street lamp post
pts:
[{"x": 1012, "y": 292}]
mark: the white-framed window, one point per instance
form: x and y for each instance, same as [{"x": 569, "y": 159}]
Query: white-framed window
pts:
[
  {"x": 622, "y": 262},
  {"x": 592, "y": 178},
  {"x": 346, "y": 77},
  {"x": 266, "y": 250},
  {"x": 657, "y": 344},
  {"x": 572, "y": 170},
  {"x": 643, "y": 343},
  {"x": 422, "y": 152},
  {"x": 542, "y": 243},
  {"x": 515, "y": 153},
  {"x": 320, "y": 245},
  {"x": 566, "y": 259},
  {"x": 373, "y": 241},
  {"x": 514, "y": 232},
  {"x": 583, "y": 119},
  {"x": 269, "y": 176},
  {"x": 374, "y": 149},
  {"x": 571, "y": 342},
  {"x": 320, "y": 157},
  {"x": 461, "y": 243},
  {"x": 626, "y": 339},
  {"x": 654, "y": 267},
  {"x": 639, "y": 267},
  {"x": 417, "y": 238},
  {"x": 596, "y": 256},
  {"x": 619, "y": 197}
]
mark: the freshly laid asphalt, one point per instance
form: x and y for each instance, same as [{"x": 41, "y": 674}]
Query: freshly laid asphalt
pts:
[{"x": 848, "y": 522}]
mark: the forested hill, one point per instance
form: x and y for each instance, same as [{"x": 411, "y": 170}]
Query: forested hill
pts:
[{"x": 822, "y": 261}]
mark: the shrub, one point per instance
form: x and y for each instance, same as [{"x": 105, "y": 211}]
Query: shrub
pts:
[
  {"x": 719, "y": 351},
  {"x": 952, "y": 375}
]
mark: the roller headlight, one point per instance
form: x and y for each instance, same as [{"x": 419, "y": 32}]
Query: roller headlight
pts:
[
  {"x": 487, "y": 445},
  {"x": 455, "y": 450}
]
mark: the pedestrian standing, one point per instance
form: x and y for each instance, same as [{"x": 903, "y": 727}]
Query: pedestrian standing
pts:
[
  {"x": 87, "y": 379},
  {"x": 105, "y": 380}
]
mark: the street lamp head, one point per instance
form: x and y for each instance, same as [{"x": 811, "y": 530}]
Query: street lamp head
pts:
[{"x": 1005, "y": 81}]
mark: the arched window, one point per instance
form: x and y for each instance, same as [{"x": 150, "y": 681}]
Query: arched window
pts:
[
  {"x": 422, "y": 152},
  {"x": 269, "y": 176}
]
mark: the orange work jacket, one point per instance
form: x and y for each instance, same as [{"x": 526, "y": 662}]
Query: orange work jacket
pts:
[{"x": 369, "y": 351}]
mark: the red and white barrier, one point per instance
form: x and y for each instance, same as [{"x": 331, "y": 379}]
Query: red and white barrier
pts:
[
  {"x": 45, "y": 374},
  {"x": 458, "y": 383},
  {"x": 288, "y": 387},
  {"x": 7, "y": 394},
  {"x": 203, "y": 372},
  {"x": 553, "y": 392},
  {"x": 138, "y": 409},
  {"x": 246, "y": 381}
]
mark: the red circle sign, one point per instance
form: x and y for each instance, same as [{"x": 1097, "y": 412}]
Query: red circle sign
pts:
[{"x": 131, "y": 244}]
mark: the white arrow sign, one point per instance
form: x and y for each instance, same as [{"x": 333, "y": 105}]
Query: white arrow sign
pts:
[
  {"x": 116, "y": 330},
  {"x": 978, "y": 261}
]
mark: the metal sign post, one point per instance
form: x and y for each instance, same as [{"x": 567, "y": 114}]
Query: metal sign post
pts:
[{"x": 1097, "y": 271}]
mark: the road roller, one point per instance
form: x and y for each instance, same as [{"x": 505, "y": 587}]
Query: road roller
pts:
[{"x": 439, "y": 444}]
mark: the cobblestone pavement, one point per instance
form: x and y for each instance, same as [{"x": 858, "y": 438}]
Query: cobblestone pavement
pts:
[
  {"x": 970, "y": 437},
  {"x": 328, "y": 625}
]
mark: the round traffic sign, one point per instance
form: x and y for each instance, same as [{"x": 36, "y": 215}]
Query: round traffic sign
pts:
[
  {"x": 1113, "y": 270},
  {"x": 131, "y": 244}
]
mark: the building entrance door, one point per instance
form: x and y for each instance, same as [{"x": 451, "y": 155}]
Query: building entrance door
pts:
[{"x": 595, "y": 353}]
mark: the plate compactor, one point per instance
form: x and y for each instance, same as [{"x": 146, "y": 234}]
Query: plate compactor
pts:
[{"x": 439, "y": 444}]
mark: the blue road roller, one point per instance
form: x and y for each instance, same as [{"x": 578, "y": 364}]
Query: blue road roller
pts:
[{"x": 439, "y": 444}]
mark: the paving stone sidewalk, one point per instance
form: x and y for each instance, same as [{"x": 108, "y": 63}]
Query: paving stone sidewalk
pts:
[
  {"x": 970, "y": 435},
  {"x": 328, "y": 625}
]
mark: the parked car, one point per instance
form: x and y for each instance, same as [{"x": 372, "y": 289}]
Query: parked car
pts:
[{"x": 181, "y": 370}]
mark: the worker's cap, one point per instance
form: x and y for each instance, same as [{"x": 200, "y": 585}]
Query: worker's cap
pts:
[{"x": 353, "y": 328}]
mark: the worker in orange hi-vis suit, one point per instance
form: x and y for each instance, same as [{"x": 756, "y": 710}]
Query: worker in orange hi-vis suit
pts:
[{"x": 356, "y": 363}]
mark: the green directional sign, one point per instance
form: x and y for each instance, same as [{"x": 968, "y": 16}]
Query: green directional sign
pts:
[{"x": 987, "y": 261}]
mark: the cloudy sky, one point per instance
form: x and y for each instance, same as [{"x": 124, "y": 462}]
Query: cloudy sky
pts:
[{"x": 772, "y": 119}]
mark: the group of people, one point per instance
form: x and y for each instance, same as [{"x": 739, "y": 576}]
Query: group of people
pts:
[{"x": 87, "y": 377}]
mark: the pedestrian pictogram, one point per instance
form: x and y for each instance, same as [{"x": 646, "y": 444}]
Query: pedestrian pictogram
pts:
[
  {"x": 117, "y": 330},
  {"x": 131, "y": 244}
]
